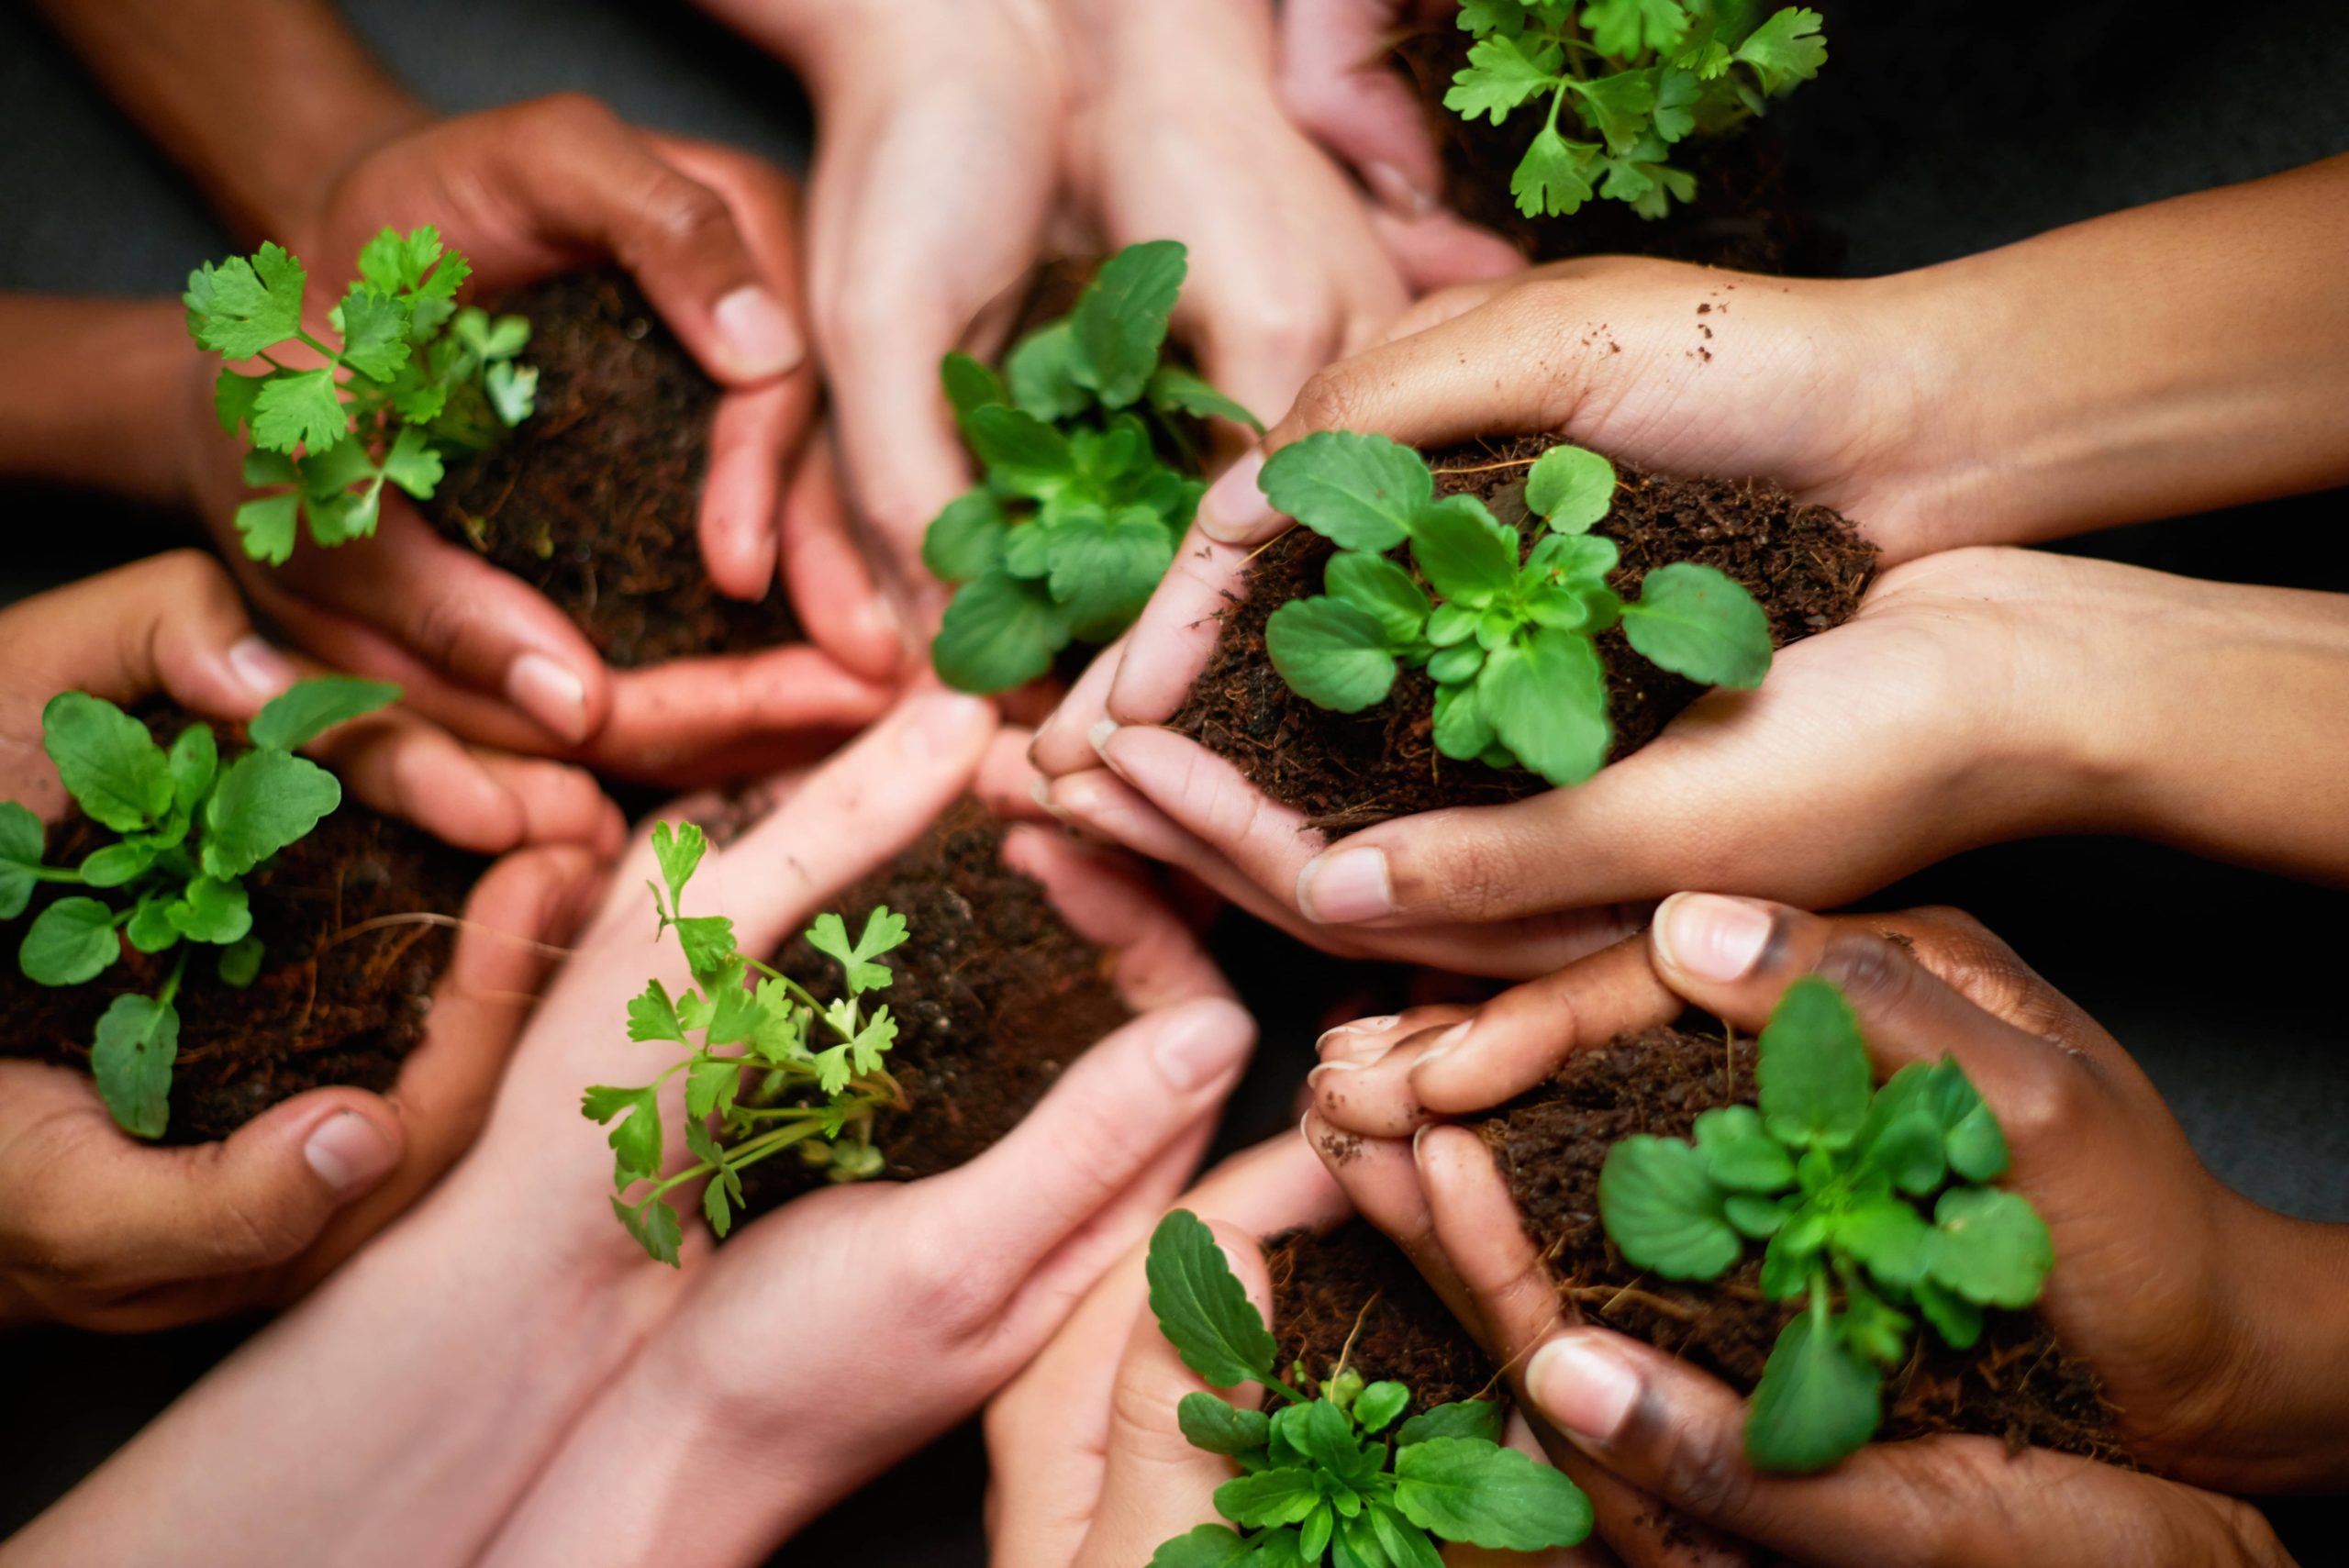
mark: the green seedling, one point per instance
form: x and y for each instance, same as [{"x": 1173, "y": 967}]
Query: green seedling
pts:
[
  {"x": 1641, "y": 77},
  {"x": 188, "y": 831},
  {"x": 1321, "y": 1475},
  {"x": 759, "y": 1082},
  {"x": 1092, "y": 468},
  {"x": 1880, "y": 1197},
  {"x": 412, "y": 381},
  {"x": 1506, "y": 632}
]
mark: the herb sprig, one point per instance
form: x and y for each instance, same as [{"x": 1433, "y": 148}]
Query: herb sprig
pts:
[
  {"x": 1641, "y": 76},
  {"x": 1316, "y": 1475},
  {"x": 1092, "y": 477},
  {"x": 759, "y": 1074},
  {"x": 1508, "y": 642},
  {"x": 1835, "y": 1179},
  {"x": 412, "y": 380},
  {"x": 189, "y": 832}
]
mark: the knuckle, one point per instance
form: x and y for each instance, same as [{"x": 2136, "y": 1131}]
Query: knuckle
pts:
[
  {"x": 1701, "y": 1470},
  {"x": 568, "y": 113},
  {"x": 954, "y": 1296},
  {"x": 1873, "y": 972},
  {"x": 1328, "y": 401},
  {"x": 684, "y": 213}
]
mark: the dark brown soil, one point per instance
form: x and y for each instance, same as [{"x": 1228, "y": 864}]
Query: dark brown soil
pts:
[
  {"x": 2017, "y": 1383},
  {"x": 1806, "y": 565},
  {"x": 994, "y": 996},
  {"x": 1744, "y": 216},
  {"x": 1353, "y": 1285},
  {"x": 593, "y": 499},
  {"x": 326, "y": 1008}
]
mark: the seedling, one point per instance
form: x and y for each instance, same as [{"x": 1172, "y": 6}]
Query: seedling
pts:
[
  {"x": 1509, "y": 641},
  {"x": 1091, "y": 478},
  {"x": 757, "y": 1073},
  {"x": 1836, "y": 1181},
  {"x": 412, "y": 380},
  {"x": 1316, "y": 1476},
  {"x": 189, "y": 832},
  {"x": 1641, "y": 75}
]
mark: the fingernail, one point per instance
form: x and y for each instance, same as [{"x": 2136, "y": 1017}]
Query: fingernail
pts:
[
  {"x": 942, "y": 724},
  {"x": 1315, "y": 1076},
  {"x": 1333, "y": 1037},
  {"x": 1200, "y": 1045},
  {"x": 1041, "y": 792},
  {"x": 349, "y": 1152},
  {"x": 1442, "y": 1046},
  {"x": 1396, "y": 191},
  {"x": 1098, "y": 735},
  {"x": 1587, "y": 1390},
  {"x": 1710, "y": 937},
  {"x": 1233, "y": 508},
  {"x": 761, "y": 334},
  {"x": 265, "y": 671},
  {"x": 1346, "y": 885},
  {"x": 549, "y": 691}
]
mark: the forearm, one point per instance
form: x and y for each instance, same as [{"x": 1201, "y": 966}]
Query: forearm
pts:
[
  {"x": 263, "y": 102},
  {"x": 95, "y": 393},
  {"x": 2291, "y": 1392},
  {"x": 1114, "y": 40}
]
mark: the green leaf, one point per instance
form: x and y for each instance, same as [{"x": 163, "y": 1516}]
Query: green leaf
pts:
[
  {"x": 1754, "y": 1216},
  {"x": 999, "y": 632},
  {"x": 1211, "y": 1424},
  {"x": 1173, "y": 389},
  {"x": 1313, "y": 1538},
  {"x": 1621, "y": 29},
  {"x": 1553, "y": 177},
  {"x": 1042, "y": 369},
  {"x": 69, "y": 942},
  {"x": 22, "y": 842},
  {"x": 212, "y": 911},
  {"x": 1738, "y": 1156},
  {"x": 1971, "y": 1139},
  {"x": 138, "y": 1040},
  {"x": 1382, "y": 590},
  {"x": 241, "y": 962},
  {"x": 244, "y": 305},
  {"x": 1663, "y": 1212},
  {"x": 1460, "y": 1419},
  {"x": 1379, "y": 1404},
  {"x": 1467, "y": 1490},
  {"x": 966, "y": 539},
  {"x": 1405, "y": 1544},
  {"x": 1887, "y": 1235},
  {"x": 1282, "y": 1495},
  {"x": 299, "y": 407},
  {"x": 1359, "y": 492},
  {"x": 1330, "y": 653},
  {"x": 1989, "y": 1247},
  {"x": 1120, "y": 319},
  {"x": 709, "y": 941},
  {"x": 1812, "y": 1068},
  {"x": 636, "y": 1138},
  {"x": 151, "y": 928},
  {"x": 1021, "y": 453},
  {"x": 1617, "y": 107},
  {"x": 107, "y": 761},
  {"x": 651, "y": 1016},
  {"x": 711, "y": 1088},
  {"x": 1202, "y": 1308},
  {"x": 1105, "y": 565},
  {"x": 412, "y": 465},
  {"x": 1545, "y": 696},
  {"x": 1786, "y": 49},
  {"x": 116, "y": 863},
  {"x": 395, "y": 262},
  {"x": 513, "y": 392},
  {"x": 193, "y": 764},
  {"x": 1456, "y": 666},
  {"x": 1318, "y": 1429},
  {"x": 1468, "y": 556},
  {"x": 679, "y": 849},
  {"x": 375, "y": 333},
  {"x": 884, "y": 932},
  {"x": 970, "y": 386},
  {"x": 307, "y": 710},
  {"x": 1909, "y": 1152},
  {"x": 263, "y": 801},
  {"x": 1815, "y": 1403},
  {"x": 1571, "y": 487},
  {"x": 1207, "y": 1546},
  {"x": 232, "y": 398},
  {"x": 1956, "y": 1319},
  {"x": 1501, "y": 73},
  {"x": 1462, "y": 731},
  {"x": 655, "y": 1226},
  {"x": 1701, "y": 623},
  {"x": 1677, "y": 94},
  {"x": 268, "y": 527}
]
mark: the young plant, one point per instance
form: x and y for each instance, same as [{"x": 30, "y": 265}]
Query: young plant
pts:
[
  {"x": 412, "y": 380},
  {"x": 757, "y": 1073},
  {"x": 1509, "y": 641},
  {"x": 1641, "y": 76},
  {"x": 189, "y": 832},
  {"x": 1092, "y": 476},
  {"x": 1316, "y": 1474},
  {"x": 1837, "y": 1181}
]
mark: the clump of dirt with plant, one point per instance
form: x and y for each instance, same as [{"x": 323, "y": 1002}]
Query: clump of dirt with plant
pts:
[
  {"x": 1351, "y": 1296},
  {"x": 1806, "y": 565},
  {"x": 2016, "y": 1383},
  {"x": 594, "y": 499}
]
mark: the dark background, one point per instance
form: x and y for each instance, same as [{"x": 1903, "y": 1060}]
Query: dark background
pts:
[{"x": 1938, "y": 129}]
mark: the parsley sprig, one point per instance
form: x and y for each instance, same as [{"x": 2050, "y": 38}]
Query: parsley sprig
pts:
[
  {"x": 1092, "y": 476},
  {"x": 189, "y": 831},
  {"x": 1509, "y": 641},
  {"x": 1835, "y": 1180},
  {"x": 1641, "y": 76},
  {"x": 414, "y": 380},
  {"x": 1316, "y": 1475},
  {"x": 759, "y": 1074}
]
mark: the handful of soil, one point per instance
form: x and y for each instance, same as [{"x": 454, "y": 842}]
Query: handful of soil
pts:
[{"x": 1352, "y": 1296}]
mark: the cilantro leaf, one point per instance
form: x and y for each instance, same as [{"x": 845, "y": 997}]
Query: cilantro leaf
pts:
[
  {"x": 307, "y": 710},
  {"x": 412, "y": 465},
  {"x": 138, "y": 1040},
  {"x": 1787, "y": 49},
  {"x": 1464, "y": 1489},
  {"x": 1203, "y": 1309},
  {"x": 636, "y": 1138},
  {"x": 246, "y": 305},
  {"x": 678, "y": 848},
  {"x": 1625, "y": 27},
  {"x": 1617, "y": 107},
  {"x": 655, "y": 1226},
  {"x": 295, "y": 408},
  {"x": 375, "y": 333},
  {"x": 268, "y": 525},
  {"x": 1501, "y": 73},
  {"x": 651, "y": 1016},
  {"x": 883, "y": 931},
  {"x": 1553, "y": 177}
]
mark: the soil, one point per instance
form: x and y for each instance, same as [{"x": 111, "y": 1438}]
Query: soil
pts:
[
  {"x": 2017, "y": 1383},
  {"x": 1744, "y": 216},
  {"x": 994, "y": 995},
  {"x": 1805, "y": 564},
  {"x": 1353, "y": 1285},
  {"x": 594, "y": 500},
  {"x": 326, "y": 1008}
]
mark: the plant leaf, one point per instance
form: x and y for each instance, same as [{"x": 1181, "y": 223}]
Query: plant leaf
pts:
[
  {"x": 1813, "y": 1069},
  {"x": 1405, "y": 1544},
  {"x": 1701, "y": 623},
  {"x": 1201, "y": 1307},
  {"x": 1465, "y": 1489},
  {"x": 1460, "y": 1419},
  {"x": 679, "y": 849},
  {"x": 1501, "y": 73},
  {"x": 1173, "y": 389},
  {"x": 1956, "y": 1319},
  {"x": 1461, "y": 549},
  {"x": 107, "y": 761},
  {"x": 1206, "y": 1546},
  {"x": 375, "y": 333},
  {"x": 1042, "y": 369},
  {"x": 1462, "y": 730},
  {"x": 1815, "y": 1404},
  {"x": 1663, "y": 1212},
  {"x": 636, "y": 1138},
  {"x": 966, "y": 538},
  {"x": 1553, "y": 177},
  {"x": 299, "y": 408},
  {"x": 656, "y": 1227},
  {"x": 1545, "y": 696},
  {"x": 1571, "y": 487},
  {"x": 307, "y": 710},
  {"x": 1382, "y": 590},
  {"x": 1786, "y": 49},
  {"x": 1282, "y": 1495},
  {"x": 1218, "y": 1427},
  {"x": 1021, "y": 453},
  {"x": 245, "y": 305},
  {"x": 1359, "y": 492},
  {"x": 263, "y": 801},
  {"x": 138, "y": 1040},
  {"x": 1989, "y": 1247},
  {"x": 970, "y": 386},
  {"x": 241, "y": 962},
  {"x": 1105, "y": 565},
  {"x": 267, "y": 527},
  {"x": 1617, "y": 107},
  {"x": 1738, "y": 1154},
  {"x": 71, "y": 941},
  {"x": 1379, "y": 1404},
  {"x": 22, "y": 843},
  {"x": 1330, "y": 653},
  {"x": 1120, "y": 318},
  {"x": 193, "y": 763},
  {"x": 1887, "y": 1235},
  {"x": 211, "y": 910},
  {"x": 999, "y": 632}
]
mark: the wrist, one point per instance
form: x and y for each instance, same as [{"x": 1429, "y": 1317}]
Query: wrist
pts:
[{"x": 2286, "y": 1425}]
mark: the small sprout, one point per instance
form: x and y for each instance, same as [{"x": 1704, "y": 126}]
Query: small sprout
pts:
[
  {"x": 762, "y": 1079},
  {"x": 414, "y": 381},
  {"x": 1506, "y": 634},
  {"x": 1834, "y": 1179},
  {"x": 1091, "y": 477},
  {"x": 1322, "y": 1475},
  {"x": 190, "y": 831},
  {"x": 1641, "y": 76}
]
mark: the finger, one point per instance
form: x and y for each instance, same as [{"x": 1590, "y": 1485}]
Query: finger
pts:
[
  {"x": 1168, "y": 646},
  {"x": 1373, "y": 1098},
  {"x": 1063, "y": 741},
  {"x": 560, "y": 803},
  {"x": 699, "y": 717},
  {"x": 407, "y": 768},
  {"x": 751, "y": 435},
  {"x": 1381, "y": 1180},
  {"x": 1440, "y": 250},
  {"x": 1338, "y": 84},
  {"x": 831, "y": 584},
  {"x": 1107, "y": 900}
]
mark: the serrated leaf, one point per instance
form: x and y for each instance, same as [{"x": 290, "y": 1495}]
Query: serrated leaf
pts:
[
  {"x": 967, "y": 537},
  {"x": 137, "y": 1042},
  {"x": 1330, "y": 653},
  {"x": 71, "y": 941},
  {"x": 1120, "y": 321},
  {"x": 298, "y": 407},
  {"x": 1701, "y": 623},
  {"x": 1360, "y": 492},
  {"x": 1021, "y": 453},
  {"x": 1816, "y": 1402},
  {"x": 233, "y": 396},
  {"x": 1663, "y": 1211},
  {"x": 1466, "y": 554},
  {"x": 1887, "y": 1236},
  {"x": 1467, "y": 1490},
  {"x": 1621, "y": 29},
  {"x": 652, "y": 1016},
  {"x": 999, "y": 632},
  {"x": 1041, "y": 371},
  {"x": 709, "y": 941},
  {"x": 263, "y": 801},
  {"x": 1218, "y": 1427},
  {"x": 245, "y": 305},
  {"x": 636, "y": 1137},
  {"x": 1989, "y": 1247},
  {"x": 678, "y": 848},
  {"x": 106, "y": 760},
  {"x": 396, "y": 263},
  {"x": 375, "y": 333},
  {"x": 1501, "y": 73},
  {"x": 1677, "y": 94},
  {"x": 307, "y": 710},
  {"x": 655, "y": 1226},
  {"x": 1571, "y": 487},
  {"x": 1785, "y": 51},
  {"x": 1553, "y": 177},
  {"x": 1201, "y": 1307},
  {"x": 1405, "y": 1544},
  {"x": 1282, "y": 1495},
  {"x": 1545, "y": 696},
  {"x": 710, "y": 1088},
  {"x": 267, "y": 528},
  {"x": 1105, "y": 566},
  {"x": 1173, "y": 389},
  {"x": 1738, "y": 1155},
  {"x": 1812, "y": 1068},
  {"x": 412, "y": 465},
  {"x": 1617, "y": 107},
  {"x": 512, "y": 390},
  {"x": 1460, "y": 1419}
]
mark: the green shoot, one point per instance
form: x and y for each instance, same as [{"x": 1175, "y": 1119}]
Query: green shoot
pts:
[
  {"x": 1641, "y": 76},
  {"x": 190, "y": 831},
  {"x": 412, "y": 380},
  {"x": 762, "y": 1079},
  {"x": 1835, "y": 1179},
  {"x": 1509, "y": 641},
  {"x": 1316, "y": 1475},
  {"x": 1092, "y": 475}
]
